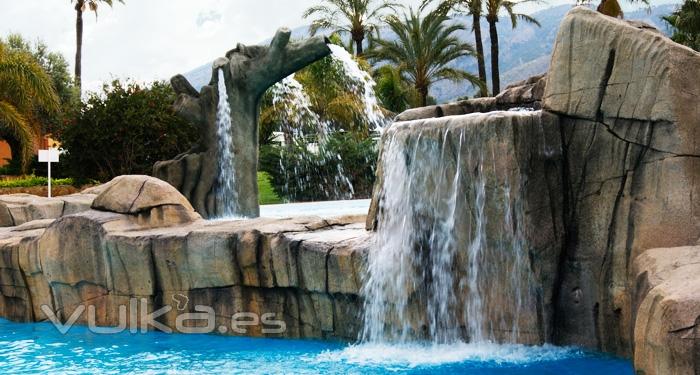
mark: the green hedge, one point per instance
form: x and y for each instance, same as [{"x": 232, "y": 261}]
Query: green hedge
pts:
[{"x": 32, "y": 181}]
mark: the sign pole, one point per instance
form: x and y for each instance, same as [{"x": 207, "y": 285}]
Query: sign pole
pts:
[
  {"x": 49, "y": 163},
  {"x": 49, "y": 156}
]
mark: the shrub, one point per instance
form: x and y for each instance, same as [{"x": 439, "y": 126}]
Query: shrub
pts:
[
  {"x": 299, "y": 174},
  {"x": 125, "y": 130},
  {"x": 31, "y": 181}
]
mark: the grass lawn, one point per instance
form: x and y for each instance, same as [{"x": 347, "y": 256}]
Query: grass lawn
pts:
[{"x": 267, "y": 194}]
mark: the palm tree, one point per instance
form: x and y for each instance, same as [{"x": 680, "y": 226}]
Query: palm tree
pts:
[
  {"x": 24, "y": 87},
  {"x": 493, "y": 7},
  {"x": 358, "y": 18},
  {"x": 423, "y": 50},
  {"x": 80, "y": 7},
  {"x": 612, "y": 8},
  {"x": 685, "y": 22},
  {"x": 473, "y": 8}
]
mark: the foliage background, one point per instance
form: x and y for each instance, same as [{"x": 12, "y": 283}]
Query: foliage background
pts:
[{"x": 125, "y": 130}]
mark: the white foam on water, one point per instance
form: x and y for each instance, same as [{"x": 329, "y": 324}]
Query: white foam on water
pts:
[{"x": 417, "y": 354}]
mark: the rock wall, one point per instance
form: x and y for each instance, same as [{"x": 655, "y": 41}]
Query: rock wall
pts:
[
  {"x": 628, "y": 113},
  {"x": 613, "y": 172},
  {"x": 160, "y": 253}
]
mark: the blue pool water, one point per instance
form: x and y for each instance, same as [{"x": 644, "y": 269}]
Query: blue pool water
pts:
[{"x": 39, "y": 348}]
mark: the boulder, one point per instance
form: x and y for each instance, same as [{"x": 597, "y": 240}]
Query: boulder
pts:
[
  {"x": 667, "y": 325},
  {"x": 151, "y": 201}
]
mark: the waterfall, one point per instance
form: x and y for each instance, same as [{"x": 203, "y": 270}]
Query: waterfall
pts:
[
  {"x": 448, "y": 262},
  {"x": 290, "y": 100},
  {"x": 297, "y": 118},
  {"x": 226, "y": 180},
  {"x": 362, "y": 84}
]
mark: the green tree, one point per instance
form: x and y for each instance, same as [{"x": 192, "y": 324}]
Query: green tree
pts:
[
  {"x": 685, "y": 23},
  {"x": 474, "y": 9},
  {"x": 358, "y": 18},
  {"x": 24, "y": 88},
  {"x": 125, "y": 130},
  {"x": 56, "y": 66},
  {"x": 80, "y": 7},
  {"x": 493, "y": 7},
  {"x": 393, "y": 92},
  {"x": 424, "y": 49}
]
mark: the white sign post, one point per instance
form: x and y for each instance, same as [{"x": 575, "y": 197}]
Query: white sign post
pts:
[{"x": 49, "y": 156}]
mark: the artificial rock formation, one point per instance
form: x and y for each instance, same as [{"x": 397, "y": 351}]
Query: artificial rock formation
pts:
[
  {"x": 18, "y": 209},
  {"x": 248, "y": 72},
  {"x": 609, "y": 169},
  {"x": 666, "y": 299},
  {"x": 602, "y": 183},
  {"x": 158, "y": 252},
  {"x": 526, "y": 94}
]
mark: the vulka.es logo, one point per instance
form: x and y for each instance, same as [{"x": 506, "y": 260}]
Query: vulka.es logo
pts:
[{"x": 135, "y": 318}]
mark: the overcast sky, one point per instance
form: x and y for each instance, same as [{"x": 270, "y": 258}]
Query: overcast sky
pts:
[{"x": 155, "y": 39}]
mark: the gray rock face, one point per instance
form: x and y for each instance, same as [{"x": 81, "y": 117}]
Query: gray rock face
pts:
[
  {"x": 628, "y": 116},
  {"x": 17, "y": 209},
  {"x": 305, "y": 272},
  {"x": 610, "y": 169},
  {"x": 143, "y": 243},
  {"x": 667, "y": 301},
  {"x": 248, "y": 72},
  {"x": 525, "y": 94}
]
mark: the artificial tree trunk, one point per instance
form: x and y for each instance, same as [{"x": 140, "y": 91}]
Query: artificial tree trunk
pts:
[{"x": 248, "y": 72}]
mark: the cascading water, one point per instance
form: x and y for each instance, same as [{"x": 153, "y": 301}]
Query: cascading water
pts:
[
  {"x": 226, "y": 180},
  {"x": 294, "y": 106},
  {"x": 448, "y": 262},
  {"x": 362, "y": 84},
  {"x": 296, "y": 119},
  {"x": 321, "y": 171}
]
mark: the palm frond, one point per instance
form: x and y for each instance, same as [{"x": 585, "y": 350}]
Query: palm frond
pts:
[
  {"x": 423, "y": 49},
  {"x": 14, "y": 124}
]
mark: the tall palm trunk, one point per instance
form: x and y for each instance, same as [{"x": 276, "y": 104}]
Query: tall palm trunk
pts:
[
  {"x": 423, "y": 92},
  {"x": 495, "y": 74},
  {"x": 483, "y": 92},
  {"x": 79, "y": 44},
  {"x": 358, "y": 47}
]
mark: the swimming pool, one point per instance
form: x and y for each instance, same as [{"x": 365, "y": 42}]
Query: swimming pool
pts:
[
  {"x": 322, "y": 209},
  {"x": 40, "y": 348}
]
